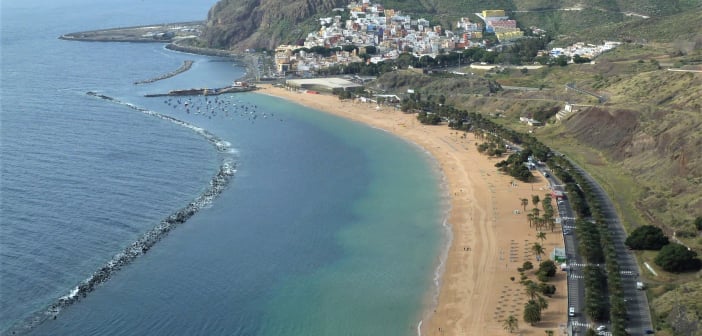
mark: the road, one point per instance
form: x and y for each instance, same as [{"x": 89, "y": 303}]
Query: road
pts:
[
  {"x": 639, "y": 317},
  {"x": 637, "y": 304},
  {"x": 576, "y": 280},
  {"x": 636, "y": 301}
]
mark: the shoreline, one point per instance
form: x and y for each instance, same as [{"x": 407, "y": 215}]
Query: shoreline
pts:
[{"x": 484, "y": 220}]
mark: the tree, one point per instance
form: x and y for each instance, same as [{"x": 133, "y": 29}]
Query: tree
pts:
[
  {"x": 547, "y": 289},
  {"x": 538, "y": 250},
  {"x": 535, "y": 199},
  {"x": 647, "y": 237},
  {"x": 698, "y": 223},
  {"x": 525, "y": 202},
  {"x": 543, "y": 304},
  {"x": 547, "y": 268},
  {"x": 511, "y": 324},
  {"x": 531, "y": 289},
  {"x": 677, "y": 258},
  {"x": 530, "y": 217},
  {"x": 527, "y": 265},
  {"x": 532, "y": 313},
  {"x": 578, "y": 60},
  {"x": 541, "y": 236}
]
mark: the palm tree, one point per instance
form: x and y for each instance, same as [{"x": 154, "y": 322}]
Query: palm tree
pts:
[
  {"x": 511, "y": 324},
  {"x": 538, "y": 250},
  {"x": 532, "y": 313},
  {"x": 531, "y": 289},
  {"x": 535, "y": 212},
  {"x": 551, "y": 223},
  {"x": 535, "y": 199},
  {"x": 542, "y": 222},
  {"x": 543, "y": 304},
  {"x": 525, "y": 202},
  {"x": 530, "y": 217},
  {"x": 541, "y": 235}
]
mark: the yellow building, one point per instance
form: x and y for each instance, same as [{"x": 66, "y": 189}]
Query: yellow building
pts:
[
  {"x": 493, "y": 12},
  {"x": 509, "y": 36}
]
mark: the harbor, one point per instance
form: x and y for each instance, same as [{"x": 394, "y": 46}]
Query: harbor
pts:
[{"x": 237, "y": 87}]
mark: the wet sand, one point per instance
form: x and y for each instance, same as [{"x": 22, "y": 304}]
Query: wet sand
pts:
[{"x": 491, "y": 235}]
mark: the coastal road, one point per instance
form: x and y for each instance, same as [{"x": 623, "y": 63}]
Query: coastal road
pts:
[
  {"x": 636, "y": 302},
  {"x": 576, "y": 280}
]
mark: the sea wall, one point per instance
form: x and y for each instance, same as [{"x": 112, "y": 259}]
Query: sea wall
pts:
[{"x": 187, "y": 64}]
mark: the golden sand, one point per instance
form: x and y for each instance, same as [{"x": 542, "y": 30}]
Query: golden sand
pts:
[{"x": 491, "y": 235}]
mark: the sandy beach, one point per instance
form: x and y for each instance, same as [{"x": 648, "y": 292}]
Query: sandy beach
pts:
[{"x": 491, "y": 235}]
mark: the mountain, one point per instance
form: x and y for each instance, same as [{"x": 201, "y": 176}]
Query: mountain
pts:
[{"x": 241, "y": 24}]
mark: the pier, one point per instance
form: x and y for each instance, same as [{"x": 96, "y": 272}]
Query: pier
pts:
[{"x": 206, "y": 92}]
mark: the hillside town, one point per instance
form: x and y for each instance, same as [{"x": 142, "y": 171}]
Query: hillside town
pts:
[
  {"x": 390, "y": 33},
  {"x": 361, "y": 26}
]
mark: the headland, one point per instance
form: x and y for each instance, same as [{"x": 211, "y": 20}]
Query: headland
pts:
[
  {"x": 491, "y": 236},
  {"x": 157, "y": 33}
]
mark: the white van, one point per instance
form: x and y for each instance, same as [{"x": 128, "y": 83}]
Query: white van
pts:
[{"x": 571, "y": 311}]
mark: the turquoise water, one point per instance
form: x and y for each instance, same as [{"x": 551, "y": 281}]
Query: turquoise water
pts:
[
  {"x": 327, "y": 227},
  {"x": 391, "y": 248}
]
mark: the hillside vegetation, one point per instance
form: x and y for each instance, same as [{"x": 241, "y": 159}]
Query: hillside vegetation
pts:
[
  {"x": 403, "y": 80},
  {"x": 240, "y": 24}
]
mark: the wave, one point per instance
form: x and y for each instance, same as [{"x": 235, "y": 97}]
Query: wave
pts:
[
  {"x": 447, "y": 241},
  {"x": 142, "y": 245}
]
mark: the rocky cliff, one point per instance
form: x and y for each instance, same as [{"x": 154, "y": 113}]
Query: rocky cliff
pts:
[{"x": 241, "y": 24}]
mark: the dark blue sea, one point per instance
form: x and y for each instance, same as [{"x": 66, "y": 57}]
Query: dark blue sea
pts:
[{"x": 322, "y": 226}]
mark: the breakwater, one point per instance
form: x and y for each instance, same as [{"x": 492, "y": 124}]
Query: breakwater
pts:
[
  {"x": 187, "y": 64},
  {"x": 145, "y": 242},
  {"x": 205, "y": 92}
]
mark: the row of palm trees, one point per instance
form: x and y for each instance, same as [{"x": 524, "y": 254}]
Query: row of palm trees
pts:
[
  {"x": 604, "y": 294},
  {"x": 535, "y": 218}
]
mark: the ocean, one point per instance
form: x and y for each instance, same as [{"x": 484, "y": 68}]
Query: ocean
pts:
[{"x": 298, "y": 222}]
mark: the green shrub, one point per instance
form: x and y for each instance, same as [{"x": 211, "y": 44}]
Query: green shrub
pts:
[
  {"x": 548, "y": 268},
  {"x": 677, "y": 258},
  {"x": 547, "y": 289},
  {"x": 647, "y": 237},
  {"x": 527, "y": 265}
]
